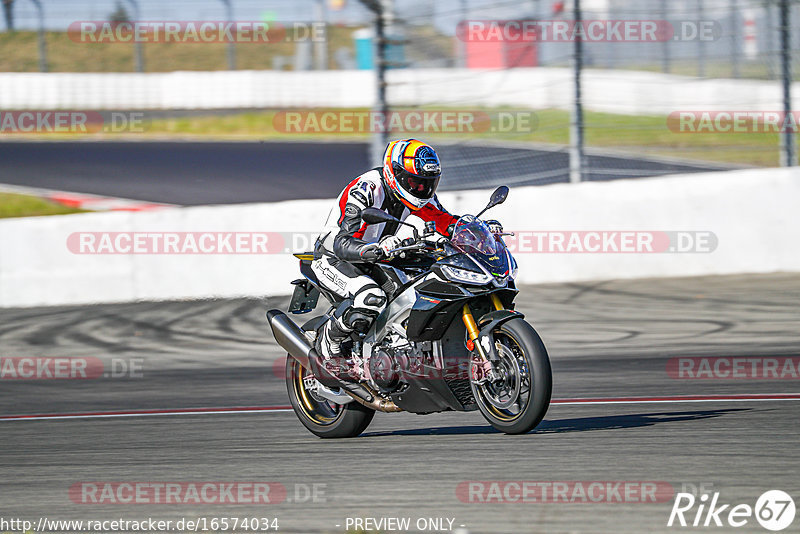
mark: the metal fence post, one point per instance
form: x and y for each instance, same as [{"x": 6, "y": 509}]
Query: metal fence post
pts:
[
  {"x": 701, "y": 45},
  {"x": 381, "y": 10},
  {"x": 381, "y": 138},
  {"x": 321, "y": 48},
  {"x": 576, "y": 154},
  {"x": 8, "y": 14},
  {"x": 231, "y": 44},
  {"x": 735, "y": 42},
  {"x": 139, "y": 54},
  {"x": 788, "y": 146},
  {"x": 42, "y": 37}
]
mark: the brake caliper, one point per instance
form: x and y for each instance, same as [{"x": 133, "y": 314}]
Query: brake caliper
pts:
[{"x": 481, "y": 371}]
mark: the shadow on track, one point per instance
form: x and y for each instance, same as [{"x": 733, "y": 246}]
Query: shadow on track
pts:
[{"x": 582, "y": 424}]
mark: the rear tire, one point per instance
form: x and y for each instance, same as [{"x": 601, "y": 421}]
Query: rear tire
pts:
[
  {"x": 324, "y": 418},
  {"x": 519, "y": 339}
]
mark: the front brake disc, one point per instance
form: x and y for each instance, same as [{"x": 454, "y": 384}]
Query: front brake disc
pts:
[{"x": 496, "y": 393}]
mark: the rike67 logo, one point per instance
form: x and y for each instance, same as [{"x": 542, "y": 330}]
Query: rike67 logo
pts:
[{"x": 774, "y": 510}]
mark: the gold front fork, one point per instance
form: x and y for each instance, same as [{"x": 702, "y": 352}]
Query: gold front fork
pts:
[
  {"x": 473, "y": 331},
  {"x": 469, "y": 322}
]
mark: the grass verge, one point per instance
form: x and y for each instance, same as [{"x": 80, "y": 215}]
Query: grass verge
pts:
[
  {"x": 647, "y": 135},
  {"x": 640, "y": 135},
  {"x": 20, "y": 54},
  {"x": 15, "y": 205}
]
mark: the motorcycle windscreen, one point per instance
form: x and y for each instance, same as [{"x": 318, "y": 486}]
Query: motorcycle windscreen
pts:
[{"x": 472, "y": 236}]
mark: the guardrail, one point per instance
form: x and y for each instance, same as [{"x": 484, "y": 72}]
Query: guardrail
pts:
[
  {"x": 625, "y": 92},
  {"x": 747, "y": 221}
]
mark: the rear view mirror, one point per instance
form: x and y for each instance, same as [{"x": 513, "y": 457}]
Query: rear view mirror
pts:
[
  {"x": 376, "y": 216},
  {"x": 498, "y": 197}
]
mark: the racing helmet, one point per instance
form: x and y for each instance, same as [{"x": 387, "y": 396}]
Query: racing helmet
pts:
[{"x": 412, "y": 171}]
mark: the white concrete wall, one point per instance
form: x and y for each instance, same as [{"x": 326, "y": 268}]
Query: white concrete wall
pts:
[
  {"x": 753, "y": 213},
  {"x": 626, "y": 92}
]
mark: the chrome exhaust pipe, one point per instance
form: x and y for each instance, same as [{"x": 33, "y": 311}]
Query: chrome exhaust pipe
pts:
[{"x": 290, "y": 337}]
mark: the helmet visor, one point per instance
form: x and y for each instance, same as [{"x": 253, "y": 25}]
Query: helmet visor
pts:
[{"x": 423, "y": 187}]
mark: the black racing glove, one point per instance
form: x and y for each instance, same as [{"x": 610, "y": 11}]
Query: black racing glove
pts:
[
  {"x": 384, "y": 248},
  {"x": 371, "y": 252}
]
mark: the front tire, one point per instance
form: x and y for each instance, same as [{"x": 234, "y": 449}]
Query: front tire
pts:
[
  {"x": 518, "y": 404},
  {"x": 322, "y": 417}
]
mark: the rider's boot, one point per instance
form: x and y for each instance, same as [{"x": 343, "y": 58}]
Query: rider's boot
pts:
[{"x": 329, "y": 347}]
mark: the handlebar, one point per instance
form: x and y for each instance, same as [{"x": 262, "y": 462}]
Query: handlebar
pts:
[
  {"x": 420, "y": 244},
  {"x": 376, "y": 254},
  {"x": 417, "y": 246},
  {"x": 372, "y": 255}
]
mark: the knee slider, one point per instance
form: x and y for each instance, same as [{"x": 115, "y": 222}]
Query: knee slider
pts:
[{"x": 359, "y": 319}]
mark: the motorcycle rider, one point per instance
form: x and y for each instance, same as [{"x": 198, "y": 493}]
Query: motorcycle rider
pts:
[{"x": 405, "y": 184}]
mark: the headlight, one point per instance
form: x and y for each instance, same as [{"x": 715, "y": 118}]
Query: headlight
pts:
[
  {"x": 514, "y": 266},
  {"x": 466, "y": 276}
]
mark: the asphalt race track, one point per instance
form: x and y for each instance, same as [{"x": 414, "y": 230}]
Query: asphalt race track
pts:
[
  {"x": 196, "y": 173},
  {"x": 606, "y": 340}
]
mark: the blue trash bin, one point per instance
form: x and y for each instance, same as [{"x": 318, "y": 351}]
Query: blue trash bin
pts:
[{"x": 365, "y": 53}]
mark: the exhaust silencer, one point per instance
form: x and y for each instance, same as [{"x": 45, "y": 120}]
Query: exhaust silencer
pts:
[
  {"x": 290, "y": 337},
  {"x": 294, "y": 341}
]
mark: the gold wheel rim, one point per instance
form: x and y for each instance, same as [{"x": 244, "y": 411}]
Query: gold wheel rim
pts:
[{"x": 309, "y": 406}]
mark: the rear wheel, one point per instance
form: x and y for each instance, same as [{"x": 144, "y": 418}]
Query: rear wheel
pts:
[
  {"x": 322, "y": 417},
  {"x": 519, "y": 399}
]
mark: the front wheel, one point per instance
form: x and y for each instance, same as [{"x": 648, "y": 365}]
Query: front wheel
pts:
[
  {"x": 322, "y": 417},
  {"x": 519, "y": 399}
]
